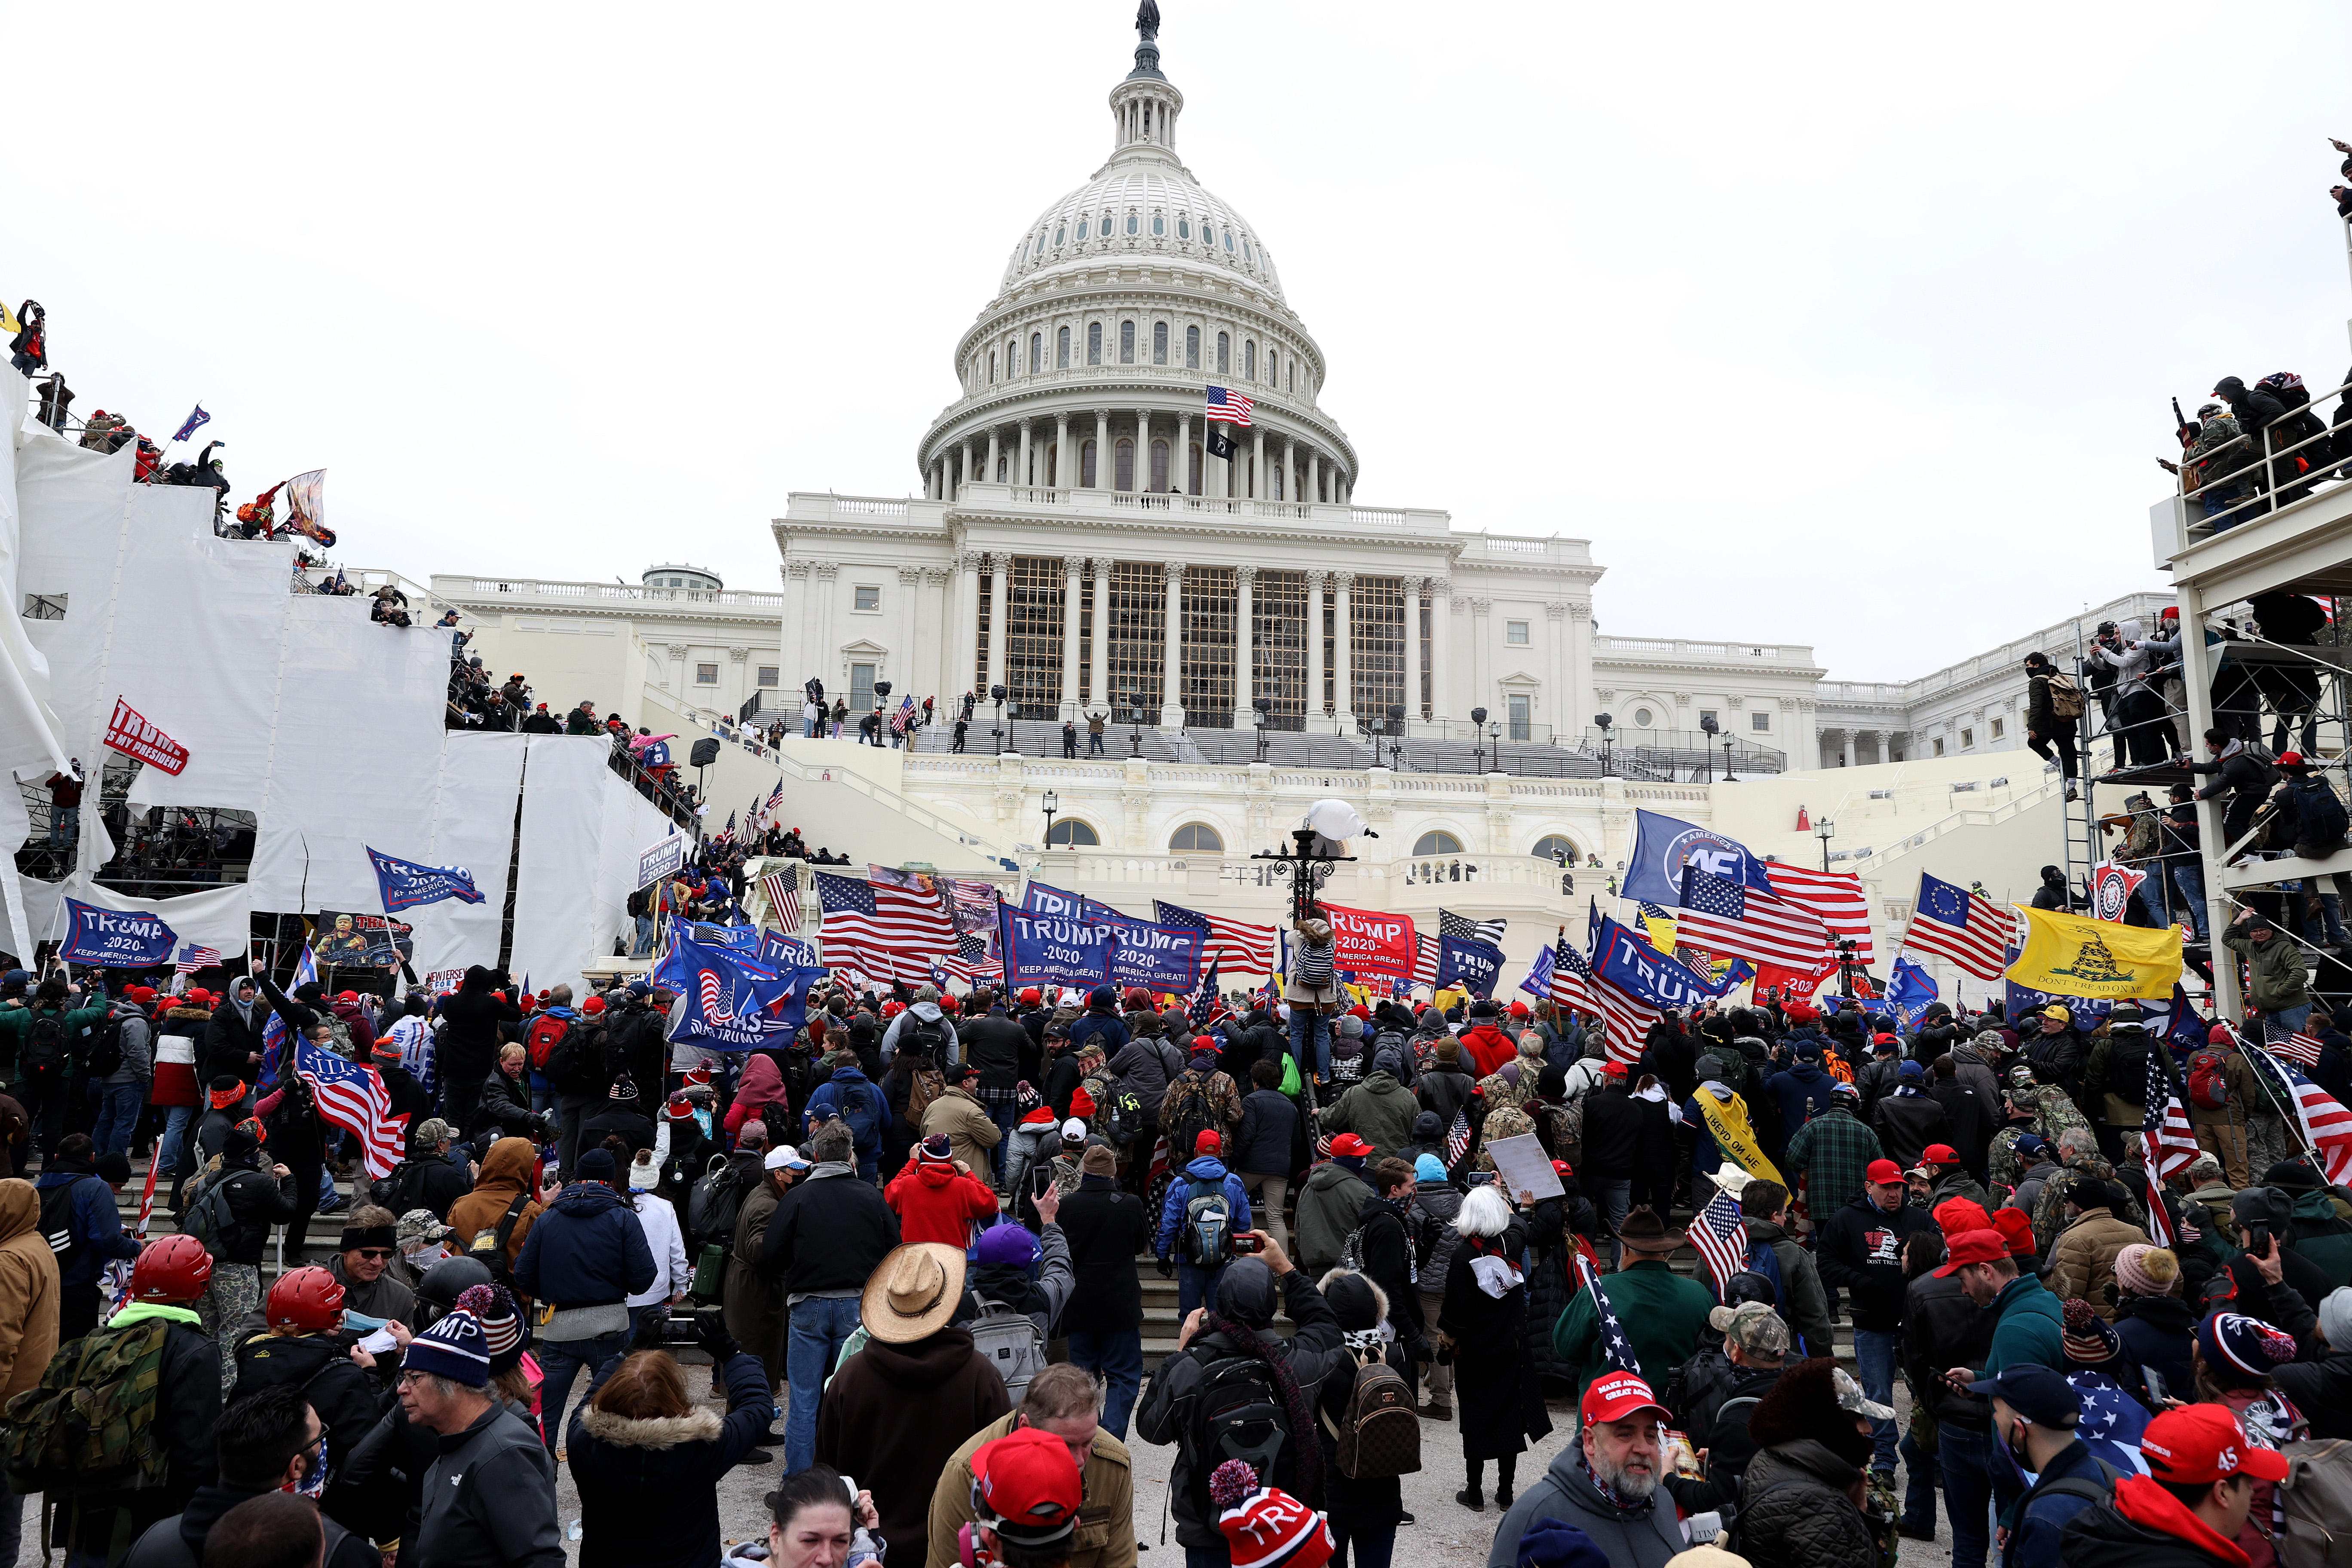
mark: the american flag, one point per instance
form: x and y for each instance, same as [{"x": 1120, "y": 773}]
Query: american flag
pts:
[
  {"x": 775, "y": 799},
  {"x": 193, "y": 958},
  {"x": 1615, "y": 1348},
  {"x": 971, "y": 904},
  {"x": 903, "y": 717},
  {"x": 2326, "y": 1126},
  {"x": 1457, "y": 1139},
  {"x": 890, "y": 930},
  {"x": 783, "y": 888},
  {"x": 1424, "y": 959},
  {"x": 1835, "y": 896},
  {"x": 1248, "y": 948},
  {"x": 352, "y": 1098},
  {"x": 970, "y": 961},
  {"x": 1723, "y": 917},
  {"x": 1462, "y": 928},
  {"x": 2299, "y": 1049},
  {"x": 2111, "y": 1422},
  {"x": 1961, "y": 926},
  {"x": 2169, "y": 1143},
  {"x": 1571, "y": 977},
  {"x": 1627, "y": 1017},
  {"x": 1228, "y": 407},
  {"x": 1721, "y": 1235},
  {"x": 1208, "y": 1002}
]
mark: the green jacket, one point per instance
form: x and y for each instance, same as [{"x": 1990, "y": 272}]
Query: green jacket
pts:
[
  {"x": 1663, "y": 1316},
  {"x": 2031, "y": 1329},
  {"x": 17, "y": 1022},
  {"x": 2279, "y": 978},
  {"x": 1807, "y": 1308},
  {"x": 2324, "y": 1236}
]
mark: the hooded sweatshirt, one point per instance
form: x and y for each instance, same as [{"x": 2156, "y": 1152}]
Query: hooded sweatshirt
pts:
[
  {"x": 893, "y": 1415},
  {"x": 508, "y": 1171},
  {"x": 28, "y": 1291},
  {"x": 763, "y": 1084},
  {"x": 936, "y": 1202}
]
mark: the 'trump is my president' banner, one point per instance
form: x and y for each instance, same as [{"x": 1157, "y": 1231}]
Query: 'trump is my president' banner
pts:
[{"x": 1371, "y": 942}]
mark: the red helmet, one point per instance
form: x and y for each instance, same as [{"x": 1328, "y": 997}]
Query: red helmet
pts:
[
  {"x": 309, "y": 1299},
  {"x": 170, "y": 1269}
]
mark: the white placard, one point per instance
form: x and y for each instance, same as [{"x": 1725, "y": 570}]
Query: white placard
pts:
[{"x": 1522, "y": 1166}]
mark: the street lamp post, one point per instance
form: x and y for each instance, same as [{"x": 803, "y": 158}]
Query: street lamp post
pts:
[
  {"x": 1825, "y": 830},
  {"x": 1135, "y": 714},
  {"x": 1053, "y": 803},
  {"x": 1707, "y": 756},
  {"x": 1303, "y": 868},
  {"x": 1602, "y": 722},
  {"x": 881, "y": 711},
  {"x": 1729, "y": 777},
  {"x": 1396, "y": 736},
  {"x": 1261, "y": 710},
  {"x": 1478, "y": 739},
  {"x": 996, "y": 695},
  {"x": 1495, "y": 735}
]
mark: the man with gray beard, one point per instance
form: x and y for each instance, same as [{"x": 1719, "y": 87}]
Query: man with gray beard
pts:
[{"x": 1605, "y": 1484}]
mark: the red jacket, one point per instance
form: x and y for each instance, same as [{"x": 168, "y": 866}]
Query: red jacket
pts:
[
  {"x": 1489, "y": 1047},
  {"x": 936, "y": 1202}
]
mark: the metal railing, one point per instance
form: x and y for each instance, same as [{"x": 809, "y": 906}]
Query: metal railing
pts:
[{"x": 2281, "y": 473}]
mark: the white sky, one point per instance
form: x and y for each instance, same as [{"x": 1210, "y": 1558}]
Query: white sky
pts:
[{"x": 1847, "y": 325}]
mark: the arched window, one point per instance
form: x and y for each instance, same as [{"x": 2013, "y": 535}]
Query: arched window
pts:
[
  {"x": 1183, "y": 227},
  {"x": 1086, "y": 465},
  {"x": 1003, "y": 461},
  {"x": 1131, "y": 222},
  {"x": 992, "y": 367},
  {"x": 1094, "y": 343},
  {"x": 1123, "y": 464},
  {"x": 1036, "y": 352},
  {"x": 1071, "y": 834},
  {"x": 1062, "y": 349},
  {"x": 1126, "y": 342},
  {"x": 1249, "y": 360},
  {"x": 1160, "y": 468},
  {"x": 1437, "y": 843},
  {"x": 1196, "y": 839},
  {"x": 1292, "y": 374},
  {"x": 1245, "y": 254},
  {"x": 1228, "y": 242},
  {"x": 1158, "y": 225},
  {"x": 1192, "y": 476},
  {"x": 1159, "y": 342},
  {"x": 1275, "y": 472},
  {"x": 1058, "y": 234},
  {"x": 1208, "y": 232},
  {"x": 1012, "y": 358},
  {"x": 1192, "y": 348},
  {"x": 1271, "y": 378},
  {"x": 1053, "y": 465},
  {"x": 1552, "y": 846},
  {"x": 1224, "y": 354}
]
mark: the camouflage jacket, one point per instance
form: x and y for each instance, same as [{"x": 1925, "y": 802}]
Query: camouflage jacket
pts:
[{"x": 1502, "y": 1121}]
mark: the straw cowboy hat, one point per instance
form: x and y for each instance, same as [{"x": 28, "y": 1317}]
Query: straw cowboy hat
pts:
[{"x": 912, "y": 1292}]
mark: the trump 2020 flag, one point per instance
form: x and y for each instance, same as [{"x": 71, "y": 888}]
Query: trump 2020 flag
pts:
[
  {"x": 732, "y": 1002},
  {"x": 405, "y": 884},
  {"x": 1910, "y": 990}
]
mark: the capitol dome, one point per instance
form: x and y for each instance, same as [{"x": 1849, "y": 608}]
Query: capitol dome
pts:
[{"x": 1141, "y": 204}]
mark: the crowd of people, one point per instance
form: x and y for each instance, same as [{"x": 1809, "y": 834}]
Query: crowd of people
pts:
[{"x": 908, "y": 1241}]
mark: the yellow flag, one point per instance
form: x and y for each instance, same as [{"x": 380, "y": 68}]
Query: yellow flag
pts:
[
  {"x": 1727, "y": 1123},
  {"x": 2069, "y": 955},
  {"x": 1662, "y": 930},
  {"x": 8, "y": 321}
]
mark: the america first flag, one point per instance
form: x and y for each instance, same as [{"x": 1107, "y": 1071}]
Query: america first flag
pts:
[{"x": 353, "y": 1098}]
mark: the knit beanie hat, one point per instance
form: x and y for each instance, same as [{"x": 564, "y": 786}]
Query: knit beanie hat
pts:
[
  {"x": 2143, "y": 1270},
  {"x": 1098, "y": 1160},
  {"x": 1429, "y": 1168},
  {"x": 937, "y": 1149},
  {"x": 2088, "y": 1339},
  {"x": 1449, "y": 1050},
  {"x": 453, "y": 1348},
  {"x": 2336, "y": 1318},
  {"x": 593, "y": 1165},
  {"x": 2242, "y": 1351},
  {"x": 1264, "y": 1528},
  {"x": 624, "y": 1089},
  {"x": 504, "y": 1333}
]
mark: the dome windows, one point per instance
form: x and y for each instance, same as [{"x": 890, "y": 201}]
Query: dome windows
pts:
[
  {"x": 1249, "y": 360},
  {"x": 1183, "y": 227},
  {"x": 1160, "y": 467},
  {"x": 1271, "y": 379},
  {"x": 1159, "y": 226},
  {"x": 1159, "y": 342},
  {"x": 992, "y": 367},
  {"x": 1036, "y": 352},
  {"x": 1126, "y": 342},
  {"x": 1094, "y": 343},
  {"x": 1228, "y": 242},
  {"x": 1192, "y": 348},
  {"x": 1123, "y": 464},
  {"x": 1245, "y": 254},
  {"x": 1062, "y": 349},
  {"x": 1058, "y": 236},
  {"x": 1131, "y": 222},
  {"x": 1086, "y": 465},
  {"x": 1224, "y": 354}
]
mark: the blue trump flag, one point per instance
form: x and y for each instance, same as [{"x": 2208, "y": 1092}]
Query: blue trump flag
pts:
[
  {"x": 405, "y": 884},
  {"x": 1156, "y": 957},
  {"x": 1538, "y": 980},
  {"x": 118, "y": 938},
  {"x": 1476, "y": 965},
  {"x": 1909, "y": 990},
  {"x": 1639, "y": 970},
  {"x": 1054, "y": 949},
  {"x": 1037, "y": 899},
  {"x": 1663, "y": 845},
  {"x": 733, "y": 1003}
]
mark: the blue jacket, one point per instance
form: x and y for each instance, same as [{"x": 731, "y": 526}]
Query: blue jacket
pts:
[
  {"x": 538, "y": 1079},
  {"x": 834, "y": 1097},
  {"x": 1207, "y": 1168},
  {"x": 96, "y": 1225},
  {"x": 589, "y": 1249},
  {"x": 1799, "y": 1090},
  {"x": 2034, "y": 1538}
]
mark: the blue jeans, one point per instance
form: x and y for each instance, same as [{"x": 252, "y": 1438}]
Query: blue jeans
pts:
[
  {"x": 64, "y": 822},
  {"x": 1117, "y": 1358},
  {"x": 1007, "y": 1116},
  {"x": 1374, "y": 1548},
  {"x": 1918, "y": 1487},
  {"x": 1962, "y": 1453},
  {"x": 819, "y": 1325},
  {"x": 115, "y": 1109},
  {"x": 174, "y": 1137},
  {"x": 2286, "y": 1021},
  {"x": 1612, "y": 1200},
  {"x": 561, "y": 1360},
  {"x": 1195, "y": 1287},
  {"x": 1873, "y": 1364},
  {"x": 1310, "y": 1031},
  {"x": 2189, "y": 880}
]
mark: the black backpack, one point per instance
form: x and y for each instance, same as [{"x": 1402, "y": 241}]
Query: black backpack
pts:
[
  {"x": 58, "y": 1222},
  {"x": 1239, "y": 1415},
  {"x": 104, "y": 1057},
  {"x": 929, "y": 1037},
  {"x": 2321, "y": 820},
  {"x": 575, "y": 1066},
  {"x": 713, "y": 1203},
  {"x": 45, "y": 1042},
  {"x": 489, "y": 1247},
  {"x": 2128, "y": 1067},
  {"x": 401, "y": 1189}
]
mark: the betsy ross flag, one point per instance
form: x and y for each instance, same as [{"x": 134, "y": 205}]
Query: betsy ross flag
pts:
[
  {"x": 2325, "y": 1126},
  {"x": 783, "y": 888},
  {"x": 1228, "y": 407},
  {"x": 889, "y": 931},
  {"x": 1720, "y": 1236},
  {"x": 1248, "y": 948},
  {"x": 1967, "y": 928},
  {"x": 1725, "y": 918},
  {"x": 1462, "y": 928},
  {"x": 353, "y": 1098},
  {"x": 1834, "y": 896},
  {"x": 1615, "y": 1348}
]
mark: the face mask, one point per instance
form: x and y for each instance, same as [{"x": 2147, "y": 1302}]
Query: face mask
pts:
[
  {"x": 425, "y": 1257},
  {"x": 313, "y": 1483}
]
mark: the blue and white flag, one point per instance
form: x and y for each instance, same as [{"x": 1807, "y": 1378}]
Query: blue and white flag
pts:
[
  {"x": 119, "y": 939},
  {"x": 1538, "y": 980},
  {"x": 1909, "y": 990},
  {"x": 734, "y": 1003},
  {"x": 1475, "y": 964},
  {"x": 1625, "y": 960},
  {"x": 405, "y": 884},
  {"x": 1663, "y": 845}
]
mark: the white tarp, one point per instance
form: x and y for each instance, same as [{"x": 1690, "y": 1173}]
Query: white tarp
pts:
[
  {"x": 555, "y": 923},
  {"x": 221, "y": 919},
  {"x": 28, "y": 736},
  {"x": 473, "y": 826}
]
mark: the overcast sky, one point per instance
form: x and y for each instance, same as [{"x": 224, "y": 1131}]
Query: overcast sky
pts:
[{"x": 1848, "y": 326}]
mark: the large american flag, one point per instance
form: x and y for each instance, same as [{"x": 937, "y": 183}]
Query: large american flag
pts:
[
  {"x": 1237, "y": 944},
  {"x": 1615, "y": 1348},
  {"x": 1462, "y": 928},
  {"x": 1228, "y": 407},
  {"x": 2301, "y": 1049},
  {"x": 2170, "y": 1143},
  {"x": 1424, "y": 959},
  {"x": 1723, "y": 917},
  {"x": 352, "y": 1098},
  {"x": 1835, "y": 896},
  {"x": 193, "y": 958},
  {"x": 903, "y": 717},
  {"x": 2325, "y": 1125},
  {"x": 1572, "y": 977},
  {"x": 889, "y": 931},
  {"x": 1961, "y": 926},
  {"x": 783, "y": 889},
  {"x": 1719, "y": 1235},
  {"x": 1627, "y": 1019}
]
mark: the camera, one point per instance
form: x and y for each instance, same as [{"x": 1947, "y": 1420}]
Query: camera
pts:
[{"x": 1247, "y": 1246}]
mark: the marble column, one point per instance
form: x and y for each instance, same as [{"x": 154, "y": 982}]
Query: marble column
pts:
[
  {"x": 1061, "y": 456},
  {"x": 989, "y": 473},
  {"x": 1290, "y": 493},
  {"x": 1442, "y": 607},
  {"x": 1560, "y": 699},
  {"x": 826, "y": 652},
  {"x": 1257, "y": 485},
  {"x": 1482, "y": 657},
  {"x": 1343, "y": 661},
  {"x": 1172, "y": 706},
  {"x": 962, "y": 653},
  {"x": 1314, "y": 475},
  {"x": 1024, "y": 477},
  {"x": 1142, "y": 451},
  {"x": 1098, "y": 677},
  {"x": 1580, "y": 666},
  {"x": 1412, "y": 664},
  {"x": 1244, "y": 650},
  {"x": 1883, "y": 757},
  {"x": 795, "y": 630},
  {"x": 971, "y": 461},
  {"x": 1314, "y": 582},
  {"x": 1180, "y": 462},
  {"x": 1072, "y": 566},
  {"x": 1000, "y": 585},
  {"x": 1104, "y": 473}
]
